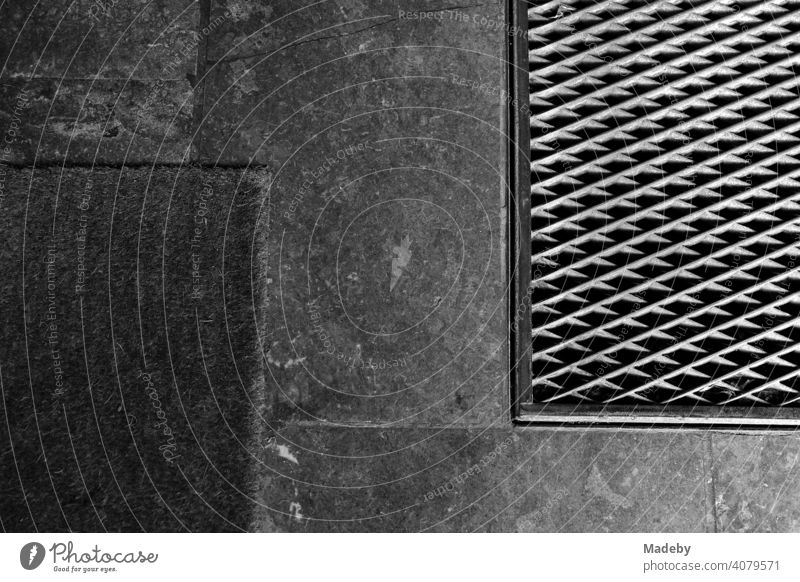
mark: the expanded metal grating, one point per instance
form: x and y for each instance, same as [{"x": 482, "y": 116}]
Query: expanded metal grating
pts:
[{"x": 665, "y": 202}]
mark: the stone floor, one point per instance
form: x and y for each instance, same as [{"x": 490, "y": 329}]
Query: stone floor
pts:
[{"x": 285, "y": 223}]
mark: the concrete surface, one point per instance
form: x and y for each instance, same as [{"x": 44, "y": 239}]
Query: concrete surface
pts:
[
  {"x": 334, "y": 357},
  {"x": 105, "y": 82},
  {"x": 129, "y": 368}
]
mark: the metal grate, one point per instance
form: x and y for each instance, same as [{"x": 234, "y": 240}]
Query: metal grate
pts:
[{"x": 665, "y": 203}]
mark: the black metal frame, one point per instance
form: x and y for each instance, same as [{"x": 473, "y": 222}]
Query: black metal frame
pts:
[
  {"x": 722, "y": 417},
  {"x": 519, "y": 207},
  {"x": 519, "y": 273}
]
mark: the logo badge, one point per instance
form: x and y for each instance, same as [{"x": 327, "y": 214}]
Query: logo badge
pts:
[{"x": 31, "y": 555}]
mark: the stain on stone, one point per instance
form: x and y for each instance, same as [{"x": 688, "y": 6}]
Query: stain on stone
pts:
[
  {"x": 400, "y": 259},
  {"x": 599, "y": 487},
  {"x": 101, "y": 122},
  {"x": 241, "y": 10}
]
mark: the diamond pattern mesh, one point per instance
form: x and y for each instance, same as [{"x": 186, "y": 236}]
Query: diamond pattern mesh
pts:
[{"x": 665, "y": 202}]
